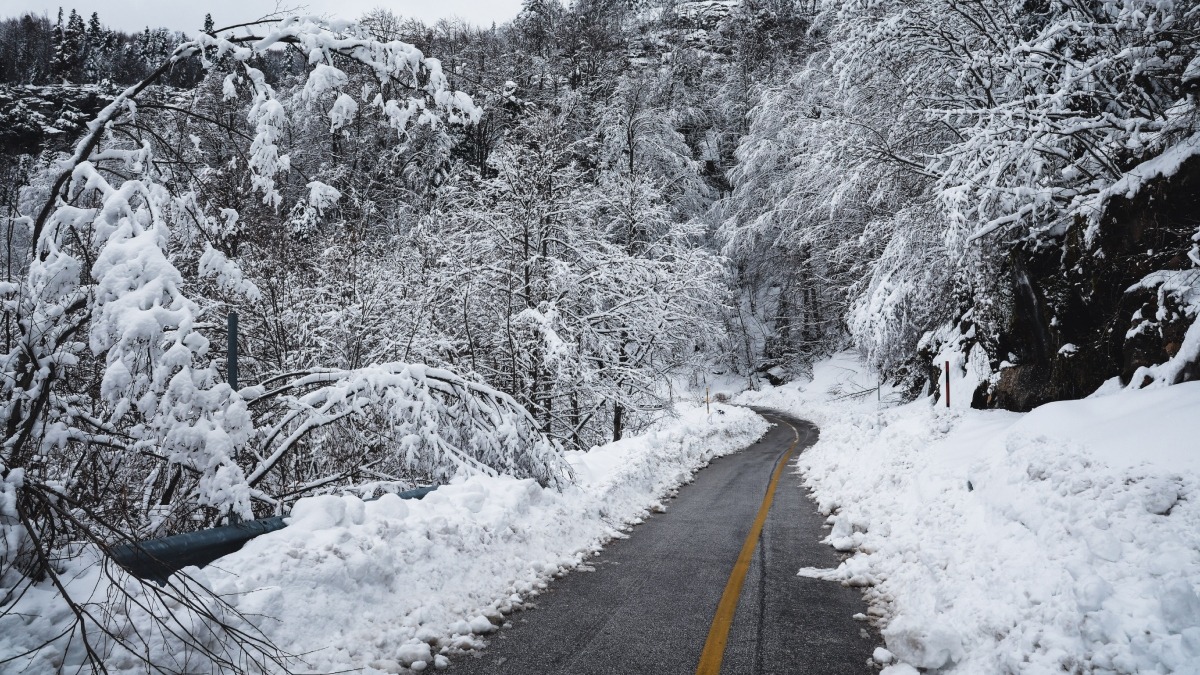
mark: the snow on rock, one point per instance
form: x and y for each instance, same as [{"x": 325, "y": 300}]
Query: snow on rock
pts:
[
  {"x": 389, "y": 585},
  {"x": 706, "y": 13},
  {"x": 1178, "y": 298},
  {"x": 1066, "y": 539},
  {"x": 1163, "y": 165}
]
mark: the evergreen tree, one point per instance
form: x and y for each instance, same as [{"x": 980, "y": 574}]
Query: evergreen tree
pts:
[
  {"x": 69, "y": 56},
  {"x": 31, "y": 49},
  {"x": 95, "y": 31},
  {"x": 74, "y": 34},
  {"x": 93, "y": 50},
  {"x": 154, "y": 45},
  {"x": 60, "y": 64}
]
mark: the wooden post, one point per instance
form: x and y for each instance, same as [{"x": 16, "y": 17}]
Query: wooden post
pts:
[
  {"x": 947, "y": 384},
  {"x": 707, "y": 400}
]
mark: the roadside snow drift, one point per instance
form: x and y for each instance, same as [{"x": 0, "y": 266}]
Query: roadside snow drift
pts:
[
  {"x": 389, "y": 585},
  {"x": 1062, "y": 540}
]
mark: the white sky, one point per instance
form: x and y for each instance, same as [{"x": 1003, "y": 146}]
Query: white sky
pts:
[{"x": 131, "y": 15}]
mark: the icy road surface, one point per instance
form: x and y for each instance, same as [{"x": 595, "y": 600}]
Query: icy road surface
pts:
[{"x": 649, "y": 604}]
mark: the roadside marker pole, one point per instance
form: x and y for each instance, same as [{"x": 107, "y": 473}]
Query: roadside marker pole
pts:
[
  {"x": 707, "y": 400},
  {"x": 231, "y": 352},
  {"x": 947, "y": 384},
  {"x": 232, "y": 371}
]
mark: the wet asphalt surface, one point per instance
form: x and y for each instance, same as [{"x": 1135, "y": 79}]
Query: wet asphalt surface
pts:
[{"x": 648, "y": 605}]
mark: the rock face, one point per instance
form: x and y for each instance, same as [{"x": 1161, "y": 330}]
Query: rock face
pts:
[
  {"x": 1081, "y": 314},
  {"x": 36, "y": 117},
  {"x": 33, "y": 120},
  {"x": 705, "y": 14}
]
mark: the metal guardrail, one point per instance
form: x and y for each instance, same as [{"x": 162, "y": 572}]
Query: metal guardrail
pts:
[{"x": 157, "y": 559}]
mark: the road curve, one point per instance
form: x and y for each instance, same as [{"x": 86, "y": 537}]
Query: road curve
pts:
[{"x": 649, "y": 604}]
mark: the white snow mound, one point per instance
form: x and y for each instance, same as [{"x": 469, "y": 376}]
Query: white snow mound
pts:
[
  {"x": 1062, "y": 540},
  {"x": 390, "y": 585}
]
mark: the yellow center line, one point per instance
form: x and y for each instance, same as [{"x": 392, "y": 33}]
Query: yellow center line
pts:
[{"x": 718, "y": 634}]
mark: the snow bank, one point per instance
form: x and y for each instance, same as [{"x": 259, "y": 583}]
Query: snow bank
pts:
[
  {"x": 1062, "y": 540},
  {"x": 387, "y": 585}
]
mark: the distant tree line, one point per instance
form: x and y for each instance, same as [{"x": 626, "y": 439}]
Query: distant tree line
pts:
[{"x": 35, "y": 49}]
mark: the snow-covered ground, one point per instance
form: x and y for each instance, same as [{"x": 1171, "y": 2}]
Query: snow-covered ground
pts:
[
  {"x": 1064, "y": 540},
  {"x": 389, "y": 584}
]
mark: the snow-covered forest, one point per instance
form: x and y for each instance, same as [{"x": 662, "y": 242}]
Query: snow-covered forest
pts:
[{"x": 456, "y": 249}]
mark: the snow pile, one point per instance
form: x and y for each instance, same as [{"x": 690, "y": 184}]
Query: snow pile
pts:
[
  {"x": 390, "y": 584},
  {"x": 403, "y": 583},
  {"x": 39, "y": 632},
  {"x": 1062, "y": 540}
]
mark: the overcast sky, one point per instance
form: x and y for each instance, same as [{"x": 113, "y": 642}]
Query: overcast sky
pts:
[{"x": 131, "y": 15}]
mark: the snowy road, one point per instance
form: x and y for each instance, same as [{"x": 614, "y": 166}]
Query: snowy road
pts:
[{"x": 650, "y": 602}]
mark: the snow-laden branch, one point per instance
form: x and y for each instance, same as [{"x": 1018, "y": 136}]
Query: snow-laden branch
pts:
[
  {"x": 114, "y": 346},
  {"x": 439, "y": 421}
]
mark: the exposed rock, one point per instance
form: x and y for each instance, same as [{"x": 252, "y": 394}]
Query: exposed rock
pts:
[
  {"x": 1081, "y": 315},
  {"x": 36, "y": 117},
  {"x": 705, "y": 14},
  {"x": 1162, "y": 307}
]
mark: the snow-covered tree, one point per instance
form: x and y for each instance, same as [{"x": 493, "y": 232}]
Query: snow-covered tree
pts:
[
  {"x": 929, "y": 137},
  {"x": 111, "y": 377},
  {"x": 579, "y": 292}
]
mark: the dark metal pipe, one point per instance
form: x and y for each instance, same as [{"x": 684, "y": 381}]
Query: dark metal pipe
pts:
[{"x": 157, "y": 559}]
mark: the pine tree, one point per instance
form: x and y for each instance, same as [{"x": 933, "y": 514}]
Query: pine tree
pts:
[
  {"x": 74, "y": 34},
  {"x": 153, "y": 45},
  {"x": 142, "y": 44},
  {"x": 93, "y": 49},
  {"x": 70, "y": 54},
  {"x": 32, "y": 67},
  {"x": 209, "y": 28},
  {"x": 61, "y": 63}
]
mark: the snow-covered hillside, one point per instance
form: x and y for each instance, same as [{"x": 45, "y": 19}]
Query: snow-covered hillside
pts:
[
  {"x": 1066, "y": 539},
  {"x": 267, "y": 261}
]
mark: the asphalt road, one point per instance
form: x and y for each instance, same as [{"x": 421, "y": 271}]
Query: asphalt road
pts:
[{"x": 648, "y": 605}]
